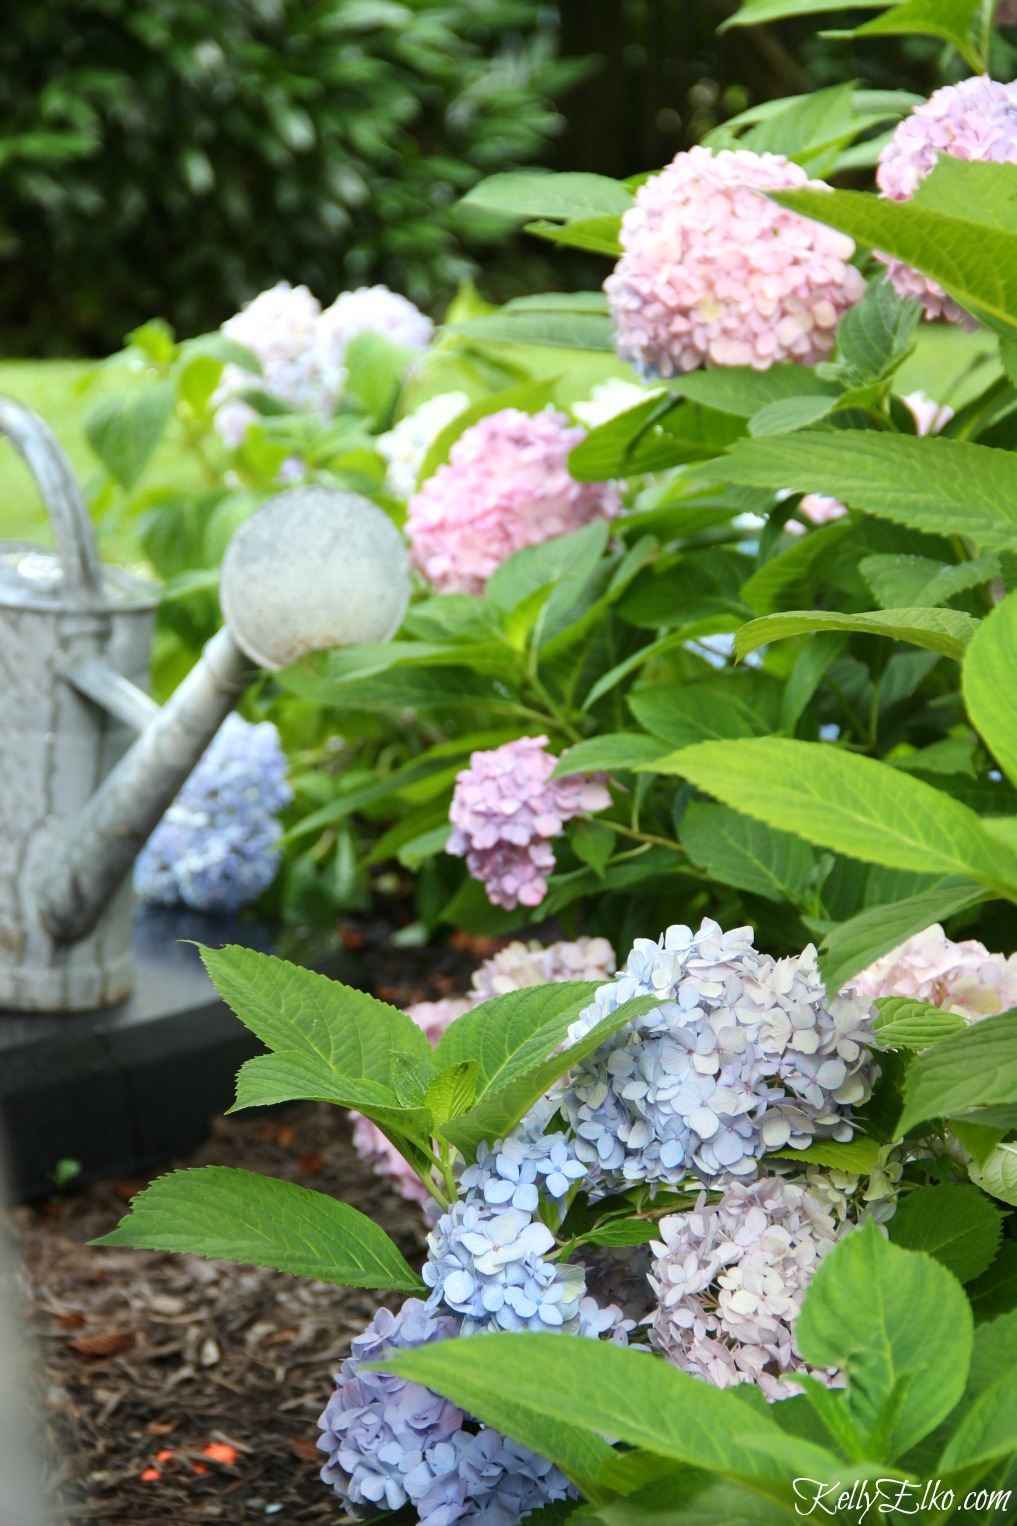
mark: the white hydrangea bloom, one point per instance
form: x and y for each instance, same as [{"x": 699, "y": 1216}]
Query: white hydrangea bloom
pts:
[{"x": 406, "y": 444}]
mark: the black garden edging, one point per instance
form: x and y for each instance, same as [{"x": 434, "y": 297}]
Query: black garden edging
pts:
[{"x": 131, "y": 1086}]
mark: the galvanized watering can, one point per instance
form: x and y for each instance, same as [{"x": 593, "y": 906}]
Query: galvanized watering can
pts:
[{"x": 88, "y": 761}]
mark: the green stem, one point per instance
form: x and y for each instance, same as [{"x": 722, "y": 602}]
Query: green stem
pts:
[{"x": 649, "y": 839}]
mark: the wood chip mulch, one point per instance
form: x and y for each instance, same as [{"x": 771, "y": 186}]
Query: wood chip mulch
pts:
[{"x": 175, "y": 1391}]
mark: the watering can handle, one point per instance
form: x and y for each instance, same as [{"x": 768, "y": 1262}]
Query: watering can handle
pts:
[{"x": 72, "y": 528}]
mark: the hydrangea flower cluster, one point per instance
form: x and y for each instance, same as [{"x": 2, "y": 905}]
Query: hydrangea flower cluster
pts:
[
  {"x": 957, "y": 977},
  {"x": 531, "y": 964},
  {"x": 505, "y": 810},
  {"x": 744, "y": 1054},
  {"x": 390, "y": 1442},
  {"x": 731, "y": 1278},
  {"x": 216, "y": 847},
  {"x": 278, "y": 326},
  {"x": 368, "y": 310},
  {"x": 929, "y": 416},
  {"x": 301, "y": 348},
  {"x": 517, "y": 965},
  {"x": 406, "y": 444},
  {"x": 506, "y": 485},
  {"x": 715, "y": 273},
  {"x": 975, "y": 119}
]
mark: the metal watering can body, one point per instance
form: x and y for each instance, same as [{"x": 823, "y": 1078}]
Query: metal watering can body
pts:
[{"x": 88, "y": 762}]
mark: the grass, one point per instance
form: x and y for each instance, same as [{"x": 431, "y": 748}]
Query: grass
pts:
[{"x": 947, "y": 364}]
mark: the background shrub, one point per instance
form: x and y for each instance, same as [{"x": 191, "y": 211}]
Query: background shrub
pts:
[{"x": 176, "y": 156}]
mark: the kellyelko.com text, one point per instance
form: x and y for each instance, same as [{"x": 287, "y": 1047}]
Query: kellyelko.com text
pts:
[{"x": 889, "y": 1496}]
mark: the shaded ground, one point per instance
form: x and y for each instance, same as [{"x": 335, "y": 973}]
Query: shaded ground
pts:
[{"x": 178, "y": 1391}]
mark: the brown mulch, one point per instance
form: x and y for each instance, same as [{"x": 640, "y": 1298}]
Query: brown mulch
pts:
[{"x": 176, "y": 1391}]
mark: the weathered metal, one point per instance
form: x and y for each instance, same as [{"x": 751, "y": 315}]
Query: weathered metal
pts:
[{"x": 79, "y": 796}]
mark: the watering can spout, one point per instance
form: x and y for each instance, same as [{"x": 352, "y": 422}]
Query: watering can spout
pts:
[{"x": 312, "y": 568}]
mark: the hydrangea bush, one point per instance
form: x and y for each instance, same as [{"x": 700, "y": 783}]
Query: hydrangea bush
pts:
[{"x": 568, "y": 1294}]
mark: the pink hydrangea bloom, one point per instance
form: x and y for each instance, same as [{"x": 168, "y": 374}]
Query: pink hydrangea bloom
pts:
[
  {"x": 730, "y": 1279},
  {"x": 505, "y": 810},
  {"x": 976, "y": 119},
  {"x": 506, "y": 485},
  {"x": 957, "y": 977},
  {"x": 530, "y": 964},
  {"x": 715, "y": 273},
  {"x": 929, "y": 416}
]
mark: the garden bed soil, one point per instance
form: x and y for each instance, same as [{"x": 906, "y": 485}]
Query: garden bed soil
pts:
[{"x": 173, "y": 1390}]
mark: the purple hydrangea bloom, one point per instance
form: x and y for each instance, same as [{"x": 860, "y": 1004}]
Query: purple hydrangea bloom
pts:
[
  {"x": 744, "y": 1054},
  {"x": 505, "y": 810},
  {"x": 390, "y": 1442},
  {"x": 216, "y": 848}
]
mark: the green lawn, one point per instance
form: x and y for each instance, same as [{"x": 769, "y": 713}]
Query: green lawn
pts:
[{"x": 948, "y": 365}]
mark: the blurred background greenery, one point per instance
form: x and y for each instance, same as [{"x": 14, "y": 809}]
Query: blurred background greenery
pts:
[{"x": 174, "y": 157}]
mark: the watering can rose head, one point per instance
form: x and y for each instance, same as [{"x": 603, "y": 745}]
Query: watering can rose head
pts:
[{"x": 312, "y": 568}]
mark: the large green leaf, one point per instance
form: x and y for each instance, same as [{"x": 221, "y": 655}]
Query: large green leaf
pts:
[
  {"x": 958, "y": 22},
  {"x": 997, "y": 1173},
  {"x": 917, "y": 581},
  {"x": 682, "y": 715},
  {"x": 755, "y": 12},
  {"x": 613, "y": 752},
  {"x": 898, "y": 1323},
  {"x": 958, "y": 1225},
  {"x": 990, "y": 683},
  {"x": 220, "y": 1212},
  {"x": 330, "y": 1042},
  {"x": 856, "y": 943},
  {"x": 852, "y": 804},
  {"x": 988, "y": 1430},
  {"x": 748, "y": 854},
  {"x": 125, "y": 430},
  {"x": 875, "y": 335},
  {"x": 513, "y": 1086},
  {"x": 297, "y": 1011},
  {"x": 907, "y": 1024},
  {"x": 946, "y": 487},
  {"x": 975, "y": 262},
  {"x": 660, "y": 433},
  {"x": 631, "y": 1395},
  {"x": 937, "y": 630},
  {"x": 977, "y": 1068},
  {"x": 694, "y": 1499},
  {"x": 743, "y": 391},
  {"x": 974, "y": 189},
  {"x": 562, "y": 198},
  {"x": 566, "y": 320}
]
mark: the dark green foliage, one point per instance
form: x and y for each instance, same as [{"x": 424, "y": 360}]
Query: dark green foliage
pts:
[{"x": 174, "y": 157}]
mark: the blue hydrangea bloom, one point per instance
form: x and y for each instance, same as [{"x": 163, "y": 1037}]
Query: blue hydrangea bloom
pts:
[
  {"x": 744, "y": 1054},
  {"x": 216, "y": 848},
  {"x": 390, "y": 1442},
  {"x": 488, "y": 1266},
  {"x": 515, "y": 1171}
]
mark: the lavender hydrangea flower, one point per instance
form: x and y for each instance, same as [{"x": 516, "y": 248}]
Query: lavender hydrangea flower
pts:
[
  {"x": 506, "y": 808},
  {"x": 731, "y": 1278},
  {"x": 216, "y": 848},
  {"x": 367, "y": 310},
  {"x": 278, "y": 327},
  {"x": 975, "y": 119},
  {"x": 390, "y": 1442},
  {"x": 715, "y": 273},
  {"x": 744, "y": 1054}
]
